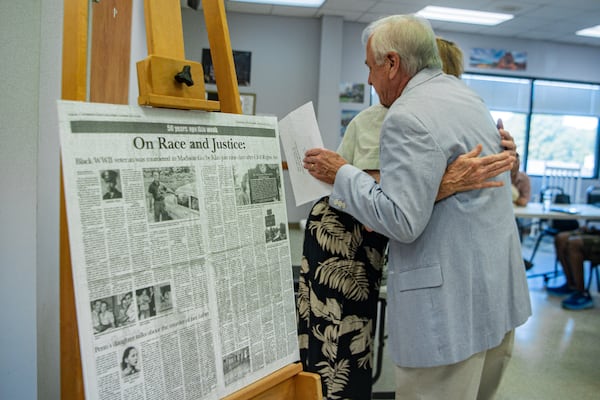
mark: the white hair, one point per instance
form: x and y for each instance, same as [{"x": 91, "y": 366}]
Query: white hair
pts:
[{"x": 410, "y": 36}]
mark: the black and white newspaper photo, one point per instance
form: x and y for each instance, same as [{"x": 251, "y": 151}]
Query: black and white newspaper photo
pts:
[{"x": 179, "y": 247}]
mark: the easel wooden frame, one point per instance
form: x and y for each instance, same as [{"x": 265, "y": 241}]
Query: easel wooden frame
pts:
[{"x": 287, "y": 383}]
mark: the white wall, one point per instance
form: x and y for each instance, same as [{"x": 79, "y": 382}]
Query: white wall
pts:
[
  {"x": 285, "y": 74},
  {"x": 30, "y": 38},
  {"x": 19, "y": 66},
  {"x": 48, "y": 170}
]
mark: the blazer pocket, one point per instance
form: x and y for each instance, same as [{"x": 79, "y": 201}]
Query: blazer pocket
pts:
[{"x": 420, "y": 278}]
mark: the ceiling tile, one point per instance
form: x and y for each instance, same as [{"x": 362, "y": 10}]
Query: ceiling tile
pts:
[
  {"x": 555, "y": 13},
  {"x": 302, "y": 12},
  {"x": 348, "y": 5},
  {"x": 348, "y": 15},
  {"x": 248, "y": 8},
  {"x": 396, "y": 7}
]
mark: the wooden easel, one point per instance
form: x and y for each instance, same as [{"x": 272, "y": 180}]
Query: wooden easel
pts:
[
  {"x": 166, "y": 59},
  {"x": 161, "y": 85}
]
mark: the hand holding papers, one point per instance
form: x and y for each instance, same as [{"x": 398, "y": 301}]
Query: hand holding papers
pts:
[{"x": 299, "y": 132}]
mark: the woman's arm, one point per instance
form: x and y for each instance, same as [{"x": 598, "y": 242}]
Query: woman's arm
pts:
[{"x": 469, "y": 172}]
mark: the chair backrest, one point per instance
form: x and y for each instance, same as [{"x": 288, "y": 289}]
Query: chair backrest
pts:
[
  {"x": 593, "y": 197},
  {"x": 556, "y": 193},
  {"x": 593, "y": 194},
  {"x": 565, "y": 176},
  {"x": 560, "y": 197}
]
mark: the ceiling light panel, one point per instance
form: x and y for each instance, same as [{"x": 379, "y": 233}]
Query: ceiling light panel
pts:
[
  {"x": 463, "y": 16},
  {"x": 594, "y": 31}
]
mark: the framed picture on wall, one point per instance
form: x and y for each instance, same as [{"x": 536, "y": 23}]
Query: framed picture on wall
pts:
[
  {"x": 248, "y": 101},
  {"x": 241, "y": 61},
  {"x": 498, "y": 59},
  {"x": 346, "y": 117},
  {"x": 352, "y": 92}
]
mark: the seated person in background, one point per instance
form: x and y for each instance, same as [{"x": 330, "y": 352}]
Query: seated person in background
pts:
[
  {"x": 521, "y": 185},
  {"x": 572, "y": 249}
]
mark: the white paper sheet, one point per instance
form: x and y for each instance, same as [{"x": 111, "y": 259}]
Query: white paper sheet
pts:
[{"x": 299, "y": 132}]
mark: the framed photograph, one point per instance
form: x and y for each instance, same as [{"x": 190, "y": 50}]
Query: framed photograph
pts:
[
  {"x": 241, "y": 60},
  {"x": 347, "y": 116},
  {"x": 498, "y": 59},
  {"x": 248, "y": 101},
  {"x": 352, "y": 92}
]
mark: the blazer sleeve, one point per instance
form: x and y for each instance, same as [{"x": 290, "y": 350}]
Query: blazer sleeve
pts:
[{"x": 412, "y": 166}]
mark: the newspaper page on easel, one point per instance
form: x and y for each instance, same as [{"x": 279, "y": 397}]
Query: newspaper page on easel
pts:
[{"x": 180, "y": 252}]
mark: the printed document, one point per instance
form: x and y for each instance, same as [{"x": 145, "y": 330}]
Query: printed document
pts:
[{"x": 299, "y": 132}]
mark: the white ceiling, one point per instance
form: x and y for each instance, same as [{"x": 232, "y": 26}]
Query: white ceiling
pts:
[{"x": 550, "y": 20}]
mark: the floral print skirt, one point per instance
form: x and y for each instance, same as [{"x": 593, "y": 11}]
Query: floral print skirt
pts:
[{"x": 337, "y": 301}]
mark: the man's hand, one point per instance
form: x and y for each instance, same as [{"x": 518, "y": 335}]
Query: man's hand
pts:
[
  {"x": 468, "y": 172},
  {"x": 323, "y": 164}
]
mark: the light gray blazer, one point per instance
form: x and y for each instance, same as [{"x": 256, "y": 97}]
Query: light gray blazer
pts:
[{"x": 456, "y": 282}]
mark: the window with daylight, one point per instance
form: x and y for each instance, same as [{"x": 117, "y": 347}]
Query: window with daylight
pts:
[
  {"x": 551, "y": 121},
  {"x": 564, "y": 126}
]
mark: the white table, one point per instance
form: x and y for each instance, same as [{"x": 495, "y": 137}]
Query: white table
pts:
[
  {"x": 535, "y": 210},
  {"x": 583, "y": 212}
]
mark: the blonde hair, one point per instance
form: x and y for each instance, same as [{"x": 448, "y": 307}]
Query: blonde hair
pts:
[{"x": 452, "y": 57}]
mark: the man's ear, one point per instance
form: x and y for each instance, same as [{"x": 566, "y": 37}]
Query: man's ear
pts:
[
  {"x": 394, "y": 60},
  {"x": 390, "y": 58}
]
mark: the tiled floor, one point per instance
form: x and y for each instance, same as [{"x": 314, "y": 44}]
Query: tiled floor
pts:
[{"x": 557, "y": 352}]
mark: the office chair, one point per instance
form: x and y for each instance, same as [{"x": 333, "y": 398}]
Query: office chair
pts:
[
  {"x": 553, "y": 228},
  {"x": 567, "y": 177},
  {"x": 593, "y": 197},
  {"x": 593, "y": 267}
]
